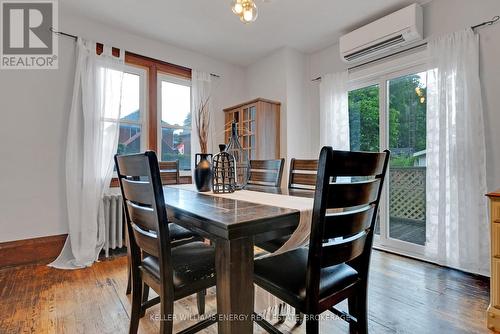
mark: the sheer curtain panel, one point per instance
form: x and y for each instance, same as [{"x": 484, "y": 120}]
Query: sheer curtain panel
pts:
[
  {"x": 201, "y": 89},
  {"x": 457, "y": 226},
  {"x": 91, "y": 143}
]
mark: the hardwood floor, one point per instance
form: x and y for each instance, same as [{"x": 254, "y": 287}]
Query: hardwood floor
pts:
[{"x": 405, "y": 296}]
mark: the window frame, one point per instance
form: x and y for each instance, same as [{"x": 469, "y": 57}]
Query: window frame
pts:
[
  {"x": 143, "y": 103},
  {"x": 175, "y": 79},
  {"x": 152, "y": 68}
]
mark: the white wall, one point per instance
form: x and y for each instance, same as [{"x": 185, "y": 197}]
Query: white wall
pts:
[
  {"x": 34, "y": 108},
  {"x": 282, "y": 76},
  {"x": 441, "y": 17},
  {"x": 267, "y": 79}
]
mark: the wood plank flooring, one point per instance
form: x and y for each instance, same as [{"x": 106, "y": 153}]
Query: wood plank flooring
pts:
[{"x": 405, "y": 296}]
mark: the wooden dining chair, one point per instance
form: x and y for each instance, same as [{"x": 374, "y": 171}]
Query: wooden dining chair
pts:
[
  {"x": 335, "y": 265},
  {"x": 173, "y": 272},
  {"x": 266, "y": 173},
  {"x": 169, "y": 174},
  {"x": 301, "y": 182},
  {"x": 302, "y": 174}
]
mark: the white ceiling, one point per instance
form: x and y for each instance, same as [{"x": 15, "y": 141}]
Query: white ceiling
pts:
[{"x": 209, "y": 27}]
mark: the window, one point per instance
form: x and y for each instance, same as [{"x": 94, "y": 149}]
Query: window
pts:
[
  {"x": 141, "y": 122},
  {"x": 133, "y": 113},
  {"x": 387, "y": 109},
  {"x": 174, "y": 99}
]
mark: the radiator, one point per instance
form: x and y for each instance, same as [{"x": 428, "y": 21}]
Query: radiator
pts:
[{"x": 114, "y": 221}]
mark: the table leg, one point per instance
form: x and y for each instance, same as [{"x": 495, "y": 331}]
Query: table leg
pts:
[{"x": 235, "y": 290}]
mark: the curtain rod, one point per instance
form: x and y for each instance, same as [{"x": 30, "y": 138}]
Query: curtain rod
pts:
[
  {"x": 494, "y": 20},
  {"x": 76, "y": 37}
]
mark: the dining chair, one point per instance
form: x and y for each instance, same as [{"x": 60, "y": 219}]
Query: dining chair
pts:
[
  {"x": 302, "y": 174},
  {"x": 266, "y": 173},
  {"x": 173, "y": 272},
  {"x": 301, "y": 181},
  {"x": 169, "y": 174},
  {"x": 335, "y": 265}
]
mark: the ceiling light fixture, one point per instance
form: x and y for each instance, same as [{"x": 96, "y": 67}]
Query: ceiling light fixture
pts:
[{"x": 245, "y": 9}]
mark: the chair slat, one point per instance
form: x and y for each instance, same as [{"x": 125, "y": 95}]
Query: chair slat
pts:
[
  {"x": 266, "y": 164},
  {"x": 147, "y": 241},
  {"x": 262, "y": 176},
  {"x": 305, "y": 164},
  {"x": 136, "y": 165},
  {"x": 169, "y": 178},
  {"x": 172, "y": 165},
  {"x": 138, "y": 191},
  {"x": 142, "y": 216},
  {"x": 343, "y": 251},
  {"x": 304, "y": 179},
  {"x": 344, "y": 195},
  {"x": 348, "y": 223},
  {"x": 357, "y": 163}
]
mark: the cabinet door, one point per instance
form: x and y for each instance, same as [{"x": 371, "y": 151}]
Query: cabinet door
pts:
[
  {"x": 267, "y": 139},
  {"x": 248, "y": 129},
  {"x": 232, "y": 115}
]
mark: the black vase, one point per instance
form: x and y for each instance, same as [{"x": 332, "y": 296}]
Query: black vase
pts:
[{"x": 203, "y": 172}]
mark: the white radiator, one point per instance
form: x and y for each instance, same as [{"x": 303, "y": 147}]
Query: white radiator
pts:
[{"x": 114, "y": 220}]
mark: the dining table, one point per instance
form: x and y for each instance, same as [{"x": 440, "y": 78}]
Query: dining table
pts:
[{"x": 234, "y": 227}]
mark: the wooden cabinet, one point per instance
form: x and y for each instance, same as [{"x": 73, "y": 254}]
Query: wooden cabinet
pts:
[
  {"x": 494, "y": 308},
  {"x": 258, "y": 127}
]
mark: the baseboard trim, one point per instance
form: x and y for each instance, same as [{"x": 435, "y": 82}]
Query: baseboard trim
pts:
[{"x": 41, "y": 250}]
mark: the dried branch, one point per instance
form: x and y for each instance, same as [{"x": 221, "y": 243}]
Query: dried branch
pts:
[{"x": 202, "y": 120}]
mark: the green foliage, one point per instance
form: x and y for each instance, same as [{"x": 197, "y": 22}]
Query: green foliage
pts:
[
  {"x": 407, "y": 118},
  {"x": 364, "y": 119},
  {"x": 403, "y": 161}
]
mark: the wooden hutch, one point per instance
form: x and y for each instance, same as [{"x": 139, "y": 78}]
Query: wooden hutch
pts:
[
  {"x": 494, "y": 308},
  {"x": 258, "y": 127}
]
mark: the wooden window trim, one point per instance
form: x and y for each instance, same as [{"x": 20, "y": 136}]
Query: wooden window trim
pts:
[{"x": 153, "y": 67}]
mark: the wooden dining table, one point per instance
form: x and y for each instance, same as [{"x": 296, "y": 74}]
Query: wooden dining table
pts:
[{"x": 234, "y": 226}]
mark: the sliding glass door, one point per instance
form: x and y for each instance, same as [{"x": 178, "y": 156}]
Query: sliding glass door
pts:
[
  {"x": 407, "y": 142},
  {"x": 389, "y": 111}
]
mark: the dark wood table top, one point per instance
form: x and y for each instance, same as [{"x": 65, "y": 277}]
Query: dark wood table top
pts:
[{"x": 223, "y": 218}]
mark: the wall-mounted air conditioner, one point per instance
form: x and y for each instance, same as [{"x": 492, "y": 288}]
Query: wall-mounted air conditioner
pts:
[{"x": 386, "y": 34}]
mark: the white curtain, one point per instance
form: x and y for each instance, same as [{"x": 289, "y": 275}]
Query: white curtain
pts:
[
  {"x": 91, "y": 143},
  {"x": 334, "y": 111},
  {"x": 457, "y": 226},
  {"x": 201, "y": 86}
]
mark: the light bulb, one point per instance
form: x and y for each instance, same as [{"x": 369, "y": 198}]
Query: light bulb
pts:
[
  {"x": 237, "y": 7},
  {"x": 248, "y": 15},
  {"x": 249, "y": 11}
]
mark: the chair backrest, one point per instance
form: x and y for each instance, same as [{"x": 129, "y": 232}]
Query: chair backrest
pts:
[
  {"x": 344, "y": 212},
  {"x": 169, "y": 172},
  {"x": 266, "y": 172},
  {"x": 302, "y": 174},
  {"x": 145, "y": 208}
]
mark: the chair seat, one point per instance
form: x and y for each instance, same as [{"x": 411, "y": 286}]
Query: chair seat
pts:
[
  {"x": 193, "y": 267},
  {"x": 180, "y": 235},
  {"x": 284, "y": 275}
]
